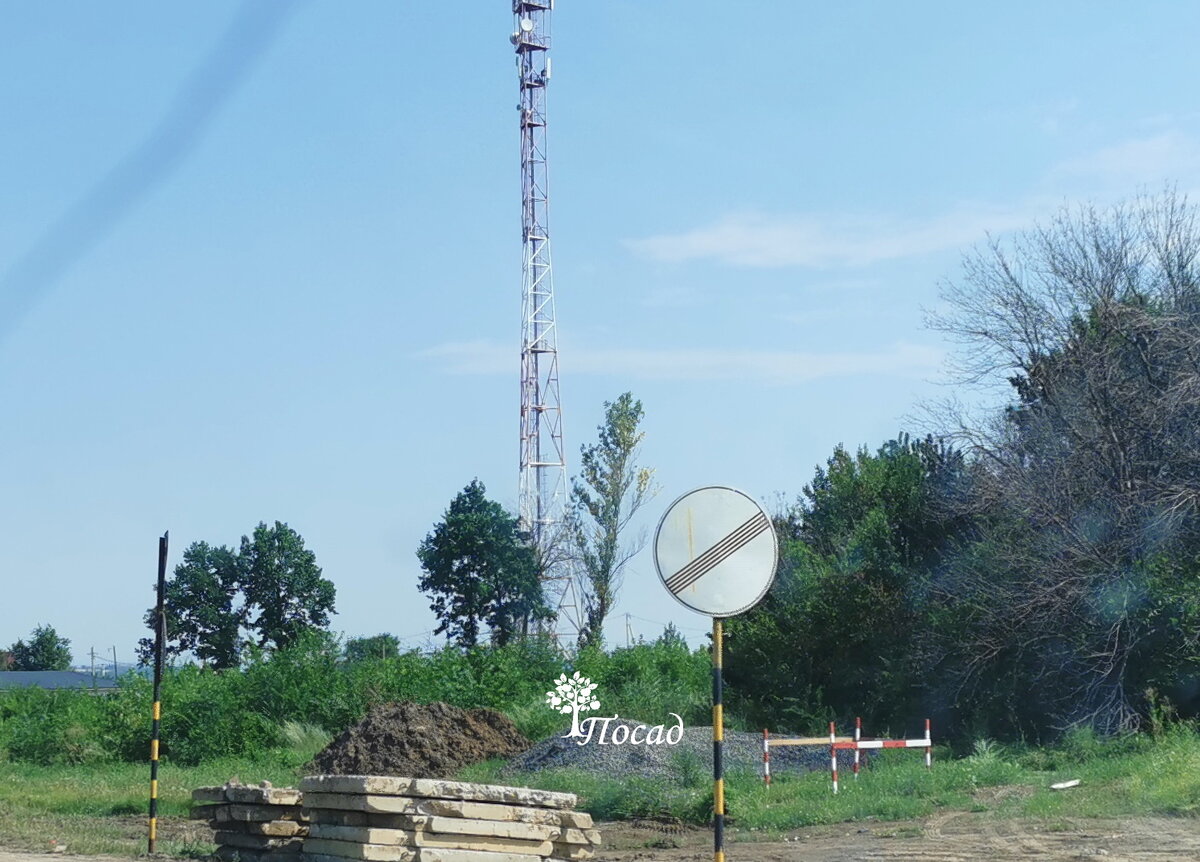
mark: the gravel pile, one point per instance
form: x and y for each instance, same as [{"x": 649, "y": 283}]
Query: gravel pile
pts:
[{"x": 692, "y": 755}]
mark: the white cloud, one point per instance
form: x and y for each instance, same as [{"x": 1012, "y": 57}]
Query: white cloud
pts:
[
  {"x": 761, "y": 240},
  {"x": 1170, "y": 156},
  {"x": 766, "y": 366},
  {"x": 756, "y": 239}
]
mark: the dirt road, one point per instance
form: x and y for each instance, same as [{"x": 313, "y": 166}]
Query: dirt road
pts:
[{"x": 953, "y": 837}]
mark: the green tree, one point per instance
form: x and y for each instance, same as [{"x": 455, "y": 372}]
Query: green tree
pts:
[
  {"x": 609, "y": 491},
  {"x": 381, "y": 646},
  {"x": 219, "y": 601},
  {"x": 45, "y": 651},
  {"x": 283, "y": 586},
  {"x": 845, "y": 627},
  {"x": 1080, "y": 594},
  {"x": 480, "y": 570},
  {"x": 205, "y": 614}
]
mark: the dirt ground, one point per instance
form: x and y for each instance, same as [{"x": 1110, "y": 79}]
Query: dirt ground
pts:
[{"x": 951, "y": 837}]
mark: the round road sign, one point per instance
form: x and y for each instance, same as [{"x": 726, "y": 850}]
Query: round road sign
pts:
[{"x": 715, "y": 551}]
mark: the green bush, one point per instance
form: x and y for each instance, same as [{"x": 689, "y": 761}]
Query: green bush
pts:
[
  {"x": 294, "y": 696},
  {"x": 54, "y": 727}
]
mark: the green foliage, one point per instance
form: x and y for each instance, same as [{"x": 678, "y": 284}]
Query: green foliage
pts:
[
  {"x": 1083, "y": 595},
  {"x": 648, "y": 681},
  {"x": 290, "y": 697},
  {"x": 611, "y": 489},
  {"x": 302, "y": 741},
  {"x": 219, "y": 602},
  {"x": 381, "y": 646},
  {"x": 45, "y": 651},
  {"x": 481, "y": 570},
  {"x": 204, "y": 615},
  {"x": 842, "y": 632},
  {"x": 282, "y": 583},
  {"x": 55, "y": 727}
]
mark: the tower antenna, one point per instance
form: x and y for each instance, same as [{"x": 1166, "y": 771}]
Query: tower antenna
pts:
[{"x": 543, "y": 481}]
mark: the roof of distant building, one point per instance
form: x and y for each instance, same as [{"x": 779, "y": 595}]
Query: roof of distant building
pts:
[{"x": 52, "y": 679}]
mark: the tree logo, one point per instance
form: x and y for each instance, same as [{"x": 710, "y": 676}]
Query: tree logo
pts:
[
  {"x": 577, "y": 694},
  {"x": 574, "y": 695}
]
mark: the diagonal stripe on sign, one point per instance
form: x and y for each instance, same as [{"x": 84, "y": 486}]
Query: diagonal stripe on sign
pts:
[{"x": 719, "y": 552}]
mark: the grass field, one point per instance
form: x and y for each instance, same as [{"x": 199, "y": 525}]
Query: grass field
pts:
[{"x": 101, "y": 808}]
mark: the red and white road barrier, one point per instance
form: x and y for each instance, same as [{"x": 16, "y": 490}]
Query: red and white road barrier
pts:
[
  {"x": 767, "y": 756},
  {"x": 855, "y": 744},
  {"x": 833, "y": 753},
  {"x": 857, "y": 736}
]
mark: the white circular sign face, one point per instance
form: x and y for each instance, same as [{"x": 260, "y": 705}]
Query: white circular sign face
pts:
[{"x": 715, "y": 551}]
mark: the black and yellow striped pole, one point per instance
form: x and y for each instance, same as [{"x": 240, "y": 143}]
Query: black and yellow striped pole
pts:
[
  {"x": 715, "y": 552},
  {"x": 160, "y": 644},
  {"x": 718, "y": 744}
]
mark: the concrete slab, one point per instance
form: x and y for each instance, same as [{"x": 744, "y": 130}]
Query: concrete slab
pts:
[
  {"x": 253, "y": 842},
  {"x": 578, "y": 836},
  {"x": 486, "y": 828},
  {"x": 318, "y": 806},
  {"x": 276, "y": 828},
  {"x": 251, "y": 795},
  {"x": 352, "y": 850},
  {"x": 209, "y": 794},
  {"x": 209, "y": 812},
  {"x": 262, "y": 813},
  {"x": 436, "y": 789}
]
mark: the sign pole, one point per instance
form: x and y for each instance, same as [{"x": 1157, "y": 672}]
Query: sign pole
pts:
[
  {"x": 160, "y": 643},
  {"x": 718, "y": 744},
  {"x": 716, "y": 553}
]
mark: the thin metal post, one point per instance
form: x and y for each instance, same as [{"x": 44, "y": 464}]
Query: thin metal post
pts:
[
  {"x": 766, "y": 757},
  {"x": 833, "y": 755},
  {"x": 928, "y": 747},
  {"x": 857, "y": 737},
  {"x": 160, "y": 643},
  {"x": 718, "y": 744}
]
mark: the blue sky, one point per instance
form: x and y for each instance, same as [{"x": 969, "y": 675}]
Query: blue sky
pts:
[{"x": 300, "y": 302}]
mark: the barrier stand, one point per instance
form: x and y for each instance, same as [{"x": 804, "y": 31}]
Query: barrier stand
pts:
[
  {"x": 857, "y": 736},
  {"x": 767, "y": 756},
  {"x": 843, "y": 743},
  {"x": 833, "y": 753}
]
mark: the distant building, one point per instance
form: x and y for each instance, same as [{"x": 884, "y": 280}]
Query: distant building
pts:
[{"x": 54, "y": 679}]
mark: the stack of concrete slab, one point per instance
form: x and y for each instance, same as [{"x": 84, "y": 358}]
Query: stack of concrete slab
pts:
[
  {"x": 253, "y": 823},
  {"x": 385, "y": 819}
]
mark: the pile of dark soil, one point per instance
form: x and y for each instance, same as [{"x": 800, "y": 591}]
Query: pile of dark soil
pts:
[{"x": 414, "y": 740}]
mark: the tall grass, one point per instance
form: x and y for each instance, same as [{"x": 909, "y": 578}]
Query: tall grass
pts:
[
  {"x": 209, "y": 715},
  {"x": 1136, "y": 775}
]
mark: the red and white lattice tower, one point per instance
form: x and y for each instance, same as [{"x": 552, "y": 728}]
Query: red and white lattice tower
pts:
[{"x": 543, "y": 481}]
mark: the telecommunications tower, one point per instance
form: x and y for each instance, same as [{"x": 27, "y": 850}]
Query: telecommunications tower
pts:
[{"x": 543, "y": 465}]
